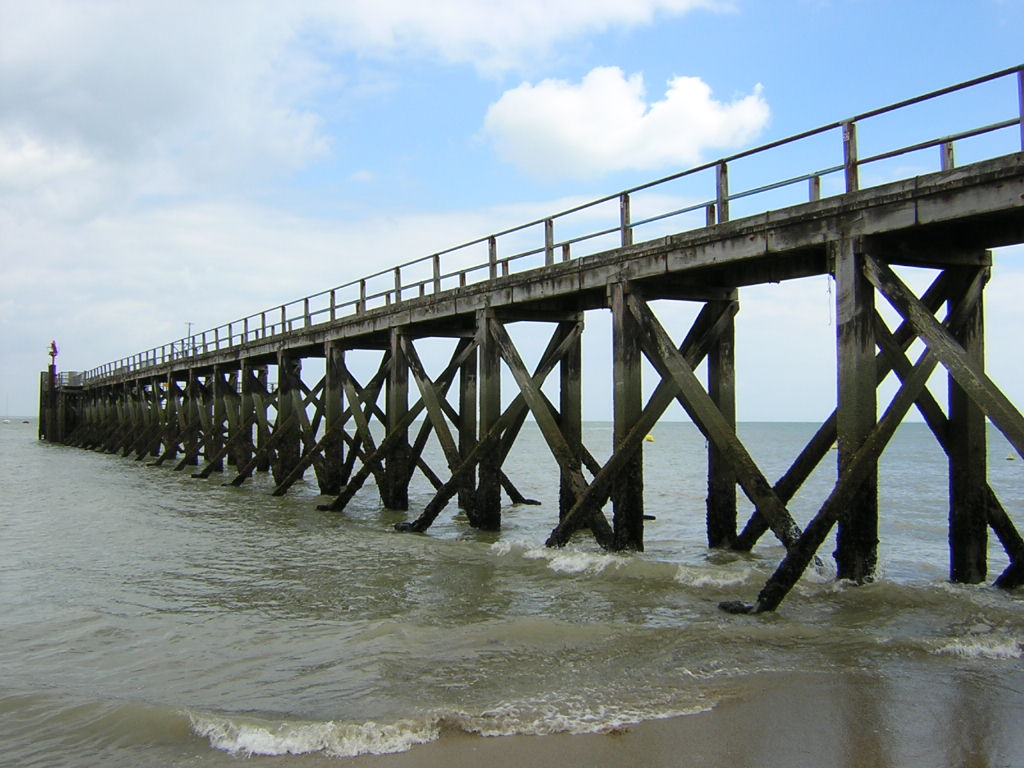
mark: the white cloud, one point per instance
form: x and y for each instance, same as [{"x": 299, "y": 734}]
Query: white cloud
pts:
[
  {"x": 605, "y": 124},
  {"x": 493, "y": 35}
]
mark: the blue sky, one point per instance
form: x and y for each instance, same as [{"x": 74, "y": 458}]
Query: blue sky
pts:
[{"x": 171, "y": 162}]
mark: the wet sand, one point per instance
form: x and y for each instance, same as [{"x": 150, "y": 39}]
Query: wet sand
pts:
[{"x": 792, "y": 720}]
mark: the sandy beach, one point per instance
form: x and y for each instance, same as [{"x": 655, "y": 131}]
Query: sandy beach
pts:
[{"x": 794, "y": 720}]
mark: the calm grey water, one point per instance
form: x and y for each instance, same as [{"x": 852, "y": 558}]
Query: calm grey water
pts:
[{"x": 151, "y": 619}]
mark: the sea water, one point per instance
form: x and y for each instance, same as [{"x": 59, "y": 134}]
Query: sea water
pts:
[{"x": 151, "y": 619}]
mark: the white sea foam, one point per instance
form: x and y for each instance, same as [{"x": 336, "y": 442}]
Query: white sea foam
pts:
[
  {"x": 254, "y": 737},
  {"x": 561, "y": 560},
  {"x": 693, "y": 576},
  {"x": 984, "y": 647},
  {"x": 250, "y": 736}
]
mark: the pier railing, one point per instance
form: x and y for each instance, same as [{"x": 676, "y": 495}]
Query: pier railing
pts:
[{"x": 978, "y": 119}]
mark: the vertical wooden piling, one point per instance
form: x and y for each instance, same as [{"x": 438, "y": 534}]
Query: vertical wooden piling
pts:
[
  {"x": 194, "y": 407},
  {"x": 218, "y": 417},
  {"x": 857, "y": 537},
  {"x": 264, "y": 453},
  {"x": 967, "y": 446},
  {"x": 488, "y": 494},
  {"x": 571, "y": 417},
  {"x": 397, "y": 469},
  {"x": 244, "y": 445},
  {"x": 334, "y": 405},
  {"x": 467, "y": 426},
  {"x": 237, "y": 455},
  {"x": 172, "y": 418},
  {"x": 628, "y": 487},
  {"x": 286, "y": 431},
  {"x": 721, "y": 500}
]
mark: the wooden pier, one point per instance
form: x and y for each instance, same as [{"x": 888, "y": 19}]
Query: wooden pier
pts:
[{"x": 233, "y": 399}]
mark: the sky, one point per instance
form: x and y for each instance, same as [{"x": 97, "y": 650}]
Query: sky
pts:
[{"x": 176, "y": 165}]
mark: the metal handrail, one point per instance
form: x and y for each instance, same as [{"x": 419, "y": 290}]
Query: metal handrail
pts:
[{"x": 358, "y": 298}]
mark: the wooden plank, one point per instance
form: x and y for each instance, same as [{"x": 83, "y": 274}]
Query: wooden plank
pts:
[{"x": 981, "y": 390}]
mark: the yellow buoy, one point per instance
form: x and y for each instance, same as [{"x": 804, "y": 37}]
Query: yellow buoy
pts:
[{"x": 649, "y": 438}]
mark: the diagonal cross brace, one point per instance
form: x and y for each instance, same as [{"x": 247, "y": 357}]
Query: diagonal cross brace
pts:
[
  {"x": 706, "y": 329},
  {"x": 709, "y": 419},
  {"x": 374, "y": 456},
  {"x": 511, "y": 416},
  {"x": 972, "y": 379}
]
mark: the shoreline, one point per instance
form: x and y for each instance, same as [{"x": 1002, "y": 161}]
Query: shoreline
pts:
[{"x": 903, "y": 718}]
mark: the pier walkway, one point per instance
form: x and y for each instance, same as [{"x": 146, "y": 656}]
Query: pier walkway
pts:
[{"x": 232, "y": 398}]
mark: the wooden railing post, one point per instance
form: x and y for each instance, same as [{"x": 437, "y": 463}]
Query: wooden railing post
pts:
[
  {"x": 947, "y": 155},
  {"x": 850, "y": 157},
  {"x": 334, "y": 305},
  {"x": 306, "y": 319},
  {"x": 722, "y": 191},
  {"x": 437, "y": 272},
  {"x": 398, "y": 284},
  {"x": 549, "y": 242},
  {"x": 492, "y": 257},
  {"x": 814, "y": 188},
  {"x": 1020, "y": 103},
  {"x": 625, "y": 228},
  {"x": 361, "y": 306}
]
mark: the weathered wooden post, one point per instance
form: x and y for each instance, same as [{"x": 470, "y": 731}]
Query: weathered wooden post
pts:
[
  {"x": 467, "y": 426},
  {"x": 488, "y": 494},
  {"x": 628, "y": 486},
  {"x": 334, "y": 406},
  {"x": 289, "y": 400},
  {"x": 233, "y": 403},
  {"x": 967, "y": 443},
  {"x": 397, "y": 469},
  {"x": 721, "y": 372},
  {"x": 570, "y": 407},
  {"x": 264, "y": 451},
  {"x": 195, "y": 405},
  {"x": 244, "y": 445},
  {"x": 857, "y": 537}
]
